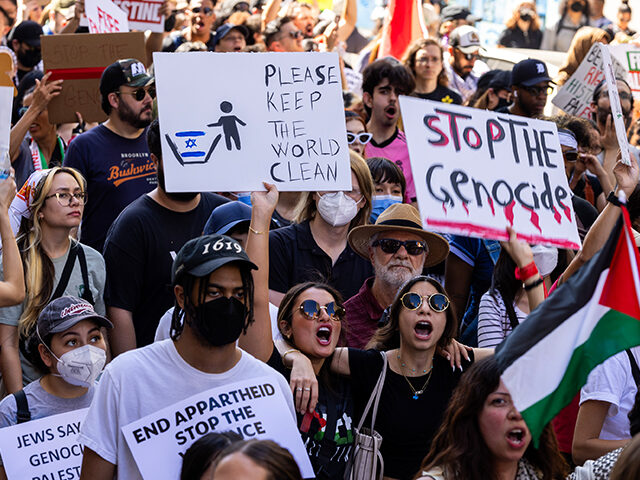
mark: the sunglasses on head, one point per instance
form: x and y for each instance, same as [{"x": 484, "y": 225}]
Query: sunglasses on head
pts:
[
  {"x": 536, "y": 91},
  {"x": 438, "y": 302},
  {"x": 363, "y": 137},
  {"x": 311, "y": 310},
  {"x": 389, "y": 245},
  {"x": 141, "y": 92}
]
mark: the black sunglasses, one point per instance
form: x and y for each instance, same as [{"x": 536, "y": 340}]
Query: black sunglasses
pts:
[
  {"x": 536, "y": 91},
  {"x": 438, "y": 302},
  {"x": 389, "y": 245},
  {"x": 311, "y": 309},
  {"x": 206, "y": 10},
  {"x": 570, "y": 155},
  {"x": 140, "y": 93}
]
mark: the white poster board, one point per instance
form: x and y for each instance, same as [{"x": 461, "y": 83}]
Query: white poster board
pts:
[
  {"x": 44, "y": 448},
  {"x": 6, "y": 104},
  {"x": 253, "y": 408},
  {"x": 478, "y": 171},
  {"x": 231, "y": 122},
  {"x": 574, "y": 97},
  {"x": 105, "y": 17},
  {"x": 628, "y": 54},
  {"x": 143, "y": 14}
]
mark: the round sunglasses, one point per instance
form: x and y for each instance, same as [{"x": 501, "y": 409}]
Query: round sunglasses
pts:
[
  {"x": 311, "y": 310},
  {"x": 389, "y": 245},
  {"x": 363, "y": 137},
  {"x": 438, "y": 302}
]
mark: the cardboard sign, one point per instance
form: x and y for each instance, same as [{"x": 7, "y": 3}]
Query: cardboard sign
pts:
[
  {"x": 143, "y": 14},
  {"x": 278, "y": 118},
  {"x": 253, "y": 408},
  {"x": 79, "y": 59},
  {"x": 44, "y": 449},
  {"x": 628, "y": 54},
  {"x": 104, "y": 16},
  {"x": 479, "y": 171},
  {"x": 575, "y": 96},
  {"x": 614, "y": 102}
]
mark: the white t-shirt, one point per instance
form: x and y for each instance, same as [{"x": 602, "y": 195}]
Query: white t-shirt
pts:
[
  {"x": 143, "y": 381},
  {"x": 612, "y": 381}
]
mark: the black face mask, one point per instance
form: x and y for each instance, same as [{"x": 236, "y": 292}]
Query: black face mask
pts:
[
  {"x": 170, "y": 22},
  {"x": 502, "y": 102},
  {"x": 525, "y": 16},
  {"x": 220, "y": 321},
  {"x": 29, "y": 58},
  {"x": 177, "y": 196},
  {"x": 577, "y": 7}
]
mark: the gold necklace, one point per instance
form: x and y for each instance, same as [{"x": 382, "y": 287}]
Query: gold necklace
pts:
[{"x": 416, "y": 393}]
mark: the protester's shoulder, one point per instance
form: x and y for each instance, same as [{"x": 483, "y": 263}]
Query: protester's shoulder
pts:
[
  {"x": 87, "y": 138},
  {"x": 258, "y": 368},
  {"x": 8, "y": 411},
  {"x": 92, "y": 255},
  {"x": 288, "y": 233},
  {"x": 156, "y": 353},
  {"x": 212, "y": 200}
]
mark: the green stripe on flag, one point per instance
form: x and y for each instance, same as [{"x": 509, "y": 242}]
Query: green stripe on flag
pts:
[{"x": 613, "y": 333}]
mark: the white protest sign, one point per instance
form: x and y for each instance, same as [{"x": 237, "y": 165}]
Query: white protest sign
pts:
[
  {"x": 575, "y": 96},
  {"x": 628, "y": 54},
  {"x": 478, "y": 171},
  {"x": 253, "y": 408},
  {"x": 279, "y": 118},
  {"x": 105, "y": 17},
  {"x": 143, "y": 14},
  {"x": 46, "y": 448},
  {"x": 6, "y": 104},
  {"x": 614, "y": 102}
]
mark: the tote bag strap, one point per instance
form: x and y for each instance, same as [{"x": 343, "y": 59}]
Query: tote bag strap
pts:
[{"x": 375, "y": 396}]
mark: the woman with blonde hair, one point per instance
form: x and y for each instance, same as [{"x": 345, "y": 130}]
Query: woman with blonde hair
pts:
[
  {"x": 54, "y": 264},
  {"x": 580, "y": 45},
  {"x": 523, "y": 28}
]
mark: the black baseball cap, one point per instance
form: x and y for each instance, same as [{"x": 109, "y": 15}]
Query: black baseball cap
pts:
[
  {"x": 224, "y": 29},
  {"x": 457, "y": 12},
  {"x": 129, "y": 72},
  {"x": 203, "y": 255},
  {"x": 28, "y": 32},
  {"x": 64, "y": 312},
  {"x": 529, "y": 72}
]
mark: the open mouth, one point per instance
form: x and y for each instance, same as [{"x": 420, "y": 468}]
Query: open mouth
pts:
[
  {"x": 423, "y": 329},
  {"x": 516, "y": 437},
  {"x": 390, "y": 112},
  {"x": 323, "y": 334}
]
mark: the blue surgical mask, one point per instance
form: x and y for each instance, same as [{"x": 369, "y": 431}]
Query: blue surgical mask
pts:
[
  {"x": 244, "y": 197},
  {"x": 381, "y": 203}
]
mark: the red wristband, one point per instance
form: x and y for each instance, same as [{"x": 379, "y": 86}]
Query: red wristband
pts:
[{"x": 526, "y": 272}]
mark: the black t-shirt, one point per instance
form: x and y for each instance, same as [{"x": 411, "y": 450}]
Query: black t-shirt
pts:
[
  {"x": 441, "y": 94},
  {"x": 516, "y": 38},
  {"x": 407, "y": 426},
  {"x": 139, "y": 252},
  {"x": 594, "y": 183},
  {"x": 586, "y": 214},
  {"x": 23, "y": 164},
  {"x": 327, "y": 432},
  {"x": 295, "y": 257},
  {"x": 118, "y": 171}
]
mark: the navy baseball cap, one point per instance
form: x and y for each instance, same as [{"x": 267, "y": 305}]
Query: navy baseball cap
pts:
[
  {"x": 530, "y": 72},
  {"x": 224, "y": 29},
  {"x": 227, "y": 216},
  {"x": 203, "y": 255},
  {"x": 64, "y": 312}
]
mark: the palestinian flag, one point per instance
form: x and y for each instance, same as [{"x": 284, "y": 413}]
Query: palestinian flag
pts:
[
  {"x": 594, "y": 315},
  {"x": 404, "y": 24}
]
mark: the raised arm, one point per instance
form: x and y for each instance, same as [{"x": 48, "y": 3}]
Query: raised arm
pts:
[
  {"x": 12, "y": 288},
  {"x": 270, "y": 12},
  {"x": 348, "y": 20}
]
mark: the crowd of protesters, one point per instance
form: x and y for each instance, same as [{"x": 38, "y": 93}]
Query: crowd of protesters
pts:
[{"x": 113, "y": 298}]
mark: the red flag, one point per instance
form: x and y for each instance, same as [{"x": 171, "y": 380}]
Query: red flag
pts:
[{"x": 403, "y": 25}]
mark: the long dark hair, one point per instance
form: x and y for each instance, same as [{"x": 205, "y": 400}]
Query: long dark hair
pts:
[
  {"x": 276, "y": 460},
  {"x": 505, "y": 284},
  {"x": 409, "y": 58},
  {"x": 204, "y": 451},
  {"x": 459, "y": 448},
  {"x": 388, "y": 337}
]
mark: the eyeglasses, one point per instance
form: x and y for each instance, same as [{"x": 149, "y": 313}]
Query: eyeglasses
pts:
[
  {"x": 65, "y": 199},
  {"x": 206, "y": 10},
  {"x": 570, "y": 155},
  {"x": 311, "y": 310},
  {"x": 363, "y": 137},
  {"x": 537, "y": 91},
  {"x": 296, "y": 34},
  {"x": 438, "y": 302},
  {"x": 389, "y": 245},
  {"x": 140, "y": 93}
]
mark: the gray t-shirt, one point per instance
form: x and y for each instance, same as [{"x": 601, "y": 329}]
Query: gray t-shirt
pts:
[
  {"x": 41, "y": 404},
  {"x": 97, "y": 273}
]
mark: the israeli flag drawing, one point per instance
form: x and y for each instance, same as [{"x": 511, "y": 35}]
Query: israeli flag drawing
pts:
[{"x": 189, "y": 147}]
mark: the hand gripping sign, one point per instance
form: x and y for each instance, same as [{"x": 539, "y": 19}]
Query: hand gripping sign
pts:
[{"x": 478, "y": 171}]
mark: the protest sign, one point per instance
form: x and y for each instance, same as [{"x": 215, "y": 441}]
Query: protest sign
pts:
[
  {"x": 143, "y": 14},
  {"x": 104, "y": 16},
  {"x": 46, "y": 448},
  {"x": 628, "y": 54},
  {"x": 614, "y": 102},
  {"x": 478, "y": 171},
  {"x": 79, "y": 60},
  {"x": 6, "y": 104},
  {"x": 574, "y": 97},
  {"x": 280, "y": 121},
  {"x": 253, "y": 408}
]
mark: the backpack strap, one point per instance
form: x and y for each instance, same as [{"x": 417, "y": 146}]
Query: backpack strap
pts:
[
  {"x": 86, "y": 295},
  {"x": 635, "y": 371},
  {"x": 23, "y": 413},
  {"x": 66, "y": 272}
]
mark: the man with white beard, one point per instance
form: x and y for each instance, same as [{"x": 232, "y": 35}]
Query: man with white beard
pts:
[{"x": 399, "y": 248}]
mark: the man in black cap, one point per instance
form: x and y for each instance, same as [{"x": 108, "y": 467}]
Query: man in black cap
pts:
[
  {"x": 213, "y": 289},
  {"x": 25, "y": 42},
  {"x": 140, "y": 248},
  {"x": 230, "y": 38},
  {"x": 114, "y": 157},
  {"x": 531, "y": 85}
]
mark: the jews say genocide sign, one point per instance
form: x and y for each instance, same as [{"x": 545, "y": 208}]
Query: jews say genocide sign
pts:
[
  {"x": 253, "y": 408},
  {"x": 42, "y": 449},
  {"x": 231, "y": 122},
  {"x": 477, "y": 172}
]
